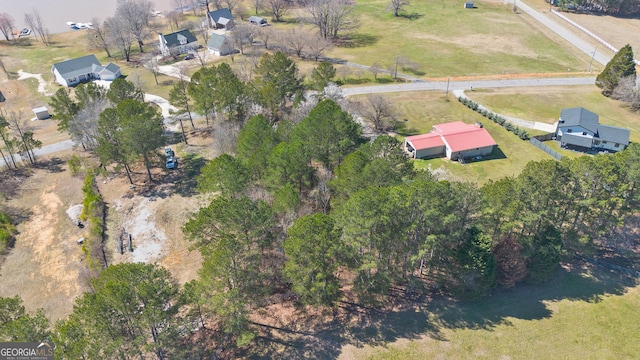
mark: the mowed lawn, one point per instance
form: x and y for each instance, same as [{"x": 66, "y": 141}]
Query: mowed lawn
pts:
[
  {"x": 545, "y": 103},
  {"x": 577, "y": 315},
  {"x": 422, "y": 110},
  {"x": 447, "y": 40}
]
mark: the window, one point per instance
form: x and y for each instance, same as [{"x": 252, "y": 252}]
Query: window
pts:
[
  {"x": 569, "y": 130},
  {"x": 604, "y": 142},
  {"x": 616, "y": 145},
  {"x": 596, "y": 142},
  {"x": 584, "y": 133}
]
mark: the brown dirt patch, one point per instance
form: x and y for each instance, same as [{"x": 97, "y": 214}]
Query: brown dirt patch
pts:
[{"x": 45, "y": 267}]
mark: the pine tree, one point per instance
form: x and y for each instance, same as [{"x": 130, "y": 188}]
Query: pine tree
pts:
[{"x": 620, "y": 66}]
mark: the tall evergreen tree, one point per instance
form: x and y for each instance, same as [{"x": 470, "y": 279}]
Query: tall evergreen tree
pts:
[{"x": 620, "y": 66}]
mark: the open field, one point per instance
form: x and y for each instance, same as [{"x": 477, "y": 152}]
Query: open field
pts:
[
  {"x": 424, "y": 109},
  {"x": 544, "y": 104},
  {"x": 580, "y": 314},
  {"x": 447, "y": 40}
]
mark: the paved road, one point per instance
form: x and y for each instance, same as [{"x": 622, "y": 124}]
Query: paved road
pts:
[
  {"x": 457, "y": 85},
  {"x": 554, "y": 25},
  {"x": 47, "y": 149}
]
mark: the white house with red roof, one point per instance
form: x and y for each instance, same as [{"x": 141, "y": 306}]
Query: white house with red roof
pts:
[{"x": 455, "y": 140}]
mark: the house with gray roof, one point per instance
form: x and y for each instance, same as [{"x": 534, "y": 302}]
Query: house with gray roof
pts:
[
  {"x": 83, "y": 69},
  {"x": 579, "y": 129},
  {"x": 179, "y": 42},
  {"x": 220, "y": 45},
  {"x": 221, "y": 19}
]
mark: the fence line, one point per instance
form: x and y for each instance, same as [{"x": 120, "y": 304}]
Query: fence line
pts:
[
  {"x": 537, "y": 143},
  {"x": 583, "y": 29}
]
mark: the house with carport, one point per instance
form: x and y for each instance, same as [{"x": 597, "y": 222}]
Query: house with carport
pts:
[
  {"x": 580, "y": 129},
  {"x": 454, "y": 140},
  {"x": 221, "y": 19},
  {"x": 83, "y": 69}
]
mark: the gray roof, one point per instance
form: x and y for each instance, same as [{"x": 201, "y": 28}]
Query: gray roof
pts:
[
  {"x": 173, "y": 39},
  {"x": 221, "y": 13},
  {"x": 613, "y": 134},
  {"x": 579, "y": 117},
  {"x": 75, "y": 67},
  {"x": 578, "y": 140},
  {"x": 216, "y": 41},
  {"x": 256, "y": 19},
  {"x": 112, "y": 67}
]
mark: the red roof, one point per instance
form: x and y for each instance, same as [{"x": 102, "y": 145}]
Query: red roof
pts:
[
  {"x": 457, "y": 136},
  {"x": 425, "y": 141}
]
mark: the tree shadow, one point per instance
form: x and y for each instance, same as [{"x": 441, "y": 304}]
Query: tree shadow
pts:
[
  {"x": 411, "y": 16},
  {"x": 53, "y": 165},
  {"x": 426, "y": 315},
  {"x": 527, "y": 301},
  {"x": 185, "y": 179},
  {"x": 357, "y": 40}
]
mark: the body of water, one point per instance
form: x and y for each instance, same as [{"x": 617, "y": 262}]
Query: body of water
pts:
[{"x": 56, "y": 13}]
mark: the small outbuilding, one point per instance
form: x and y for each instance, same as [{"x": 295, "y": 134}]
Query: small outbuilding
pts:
[
  {"x": 469, "y": 5},
  {"x": 257, "y": 20},
  {"x": 220, "y": 45},
  {"x": 42, "y": 113}
]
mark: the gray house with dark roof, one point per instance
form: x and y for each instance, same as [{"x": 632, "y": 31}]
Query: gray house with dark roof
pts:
[
  {"x": 579, "y": 129},
  {"x": 221, "y": 19},
  {"x": 179, "y": 42},
  {"x": 220, "y": 45},
  {"x": 84, "y": 69}
]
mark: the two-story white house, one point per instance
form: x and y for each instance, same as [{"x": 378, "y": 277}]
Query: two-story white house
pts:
[
  {"x": 179, "y": 42},
  {"x": 579, "y": 129}
]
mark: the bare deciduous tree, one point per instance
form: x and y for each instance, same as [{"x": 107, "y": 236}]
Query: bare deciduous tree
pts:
[
  {"x": 34, "y": 21},
  {"x": 258, "y": 5},
  {"x": 135, "y": 16},
  {"x": 332, "y": 17},
  {"x": 119, "y": 36},
  {"x": 278, "y": 8},
  {"x": 6, "y": 25},
  {"x": 174, "y": 18},
  {"x": 25, "y": 141},
  {"x": 265, "y": 33},
  {"x": 297, "y": 40},
  {"x": 83, "y": 127},
  {"x": 375, "y": 69},
  {"x": 397, "y": 5},
  {"x": 242, "y": 36},
  {"x": 317, "y": 46},
  {"x": 379, "y": 111},
  {"x": 344, "y": 71},
  {"x": 152, "y": 65},
  {"x": 98, "y": 37},
  {"x": 628, "y": 91},
  {"x": 230, "y": 4},
  {"x": 225, "y": 135}
]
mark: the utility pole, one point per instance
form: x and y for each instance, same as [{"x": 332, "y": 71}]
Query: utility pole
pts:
[
  {"x": 592, "y": 56},
  {"x": 395, "y": 73}
]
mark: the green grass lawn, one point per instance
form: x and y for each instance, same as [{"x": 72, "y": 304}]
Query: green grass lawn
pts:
[
  {"x": 422, "y": 110},
  {"x": 447, "y": 40},
  {"x": 576, "y": 315},
  {"x": 545, "y": 104}
]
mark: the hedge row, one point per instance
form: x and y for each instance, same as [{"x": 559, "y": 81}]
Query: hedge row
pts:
[
  {"x": 93, "y": 211},
  {"x": 522, "y": 133}
]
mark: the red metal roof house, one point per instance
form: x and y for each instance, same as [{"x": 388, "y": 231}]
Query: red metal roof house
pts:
[{"x": 454, "y": 140}]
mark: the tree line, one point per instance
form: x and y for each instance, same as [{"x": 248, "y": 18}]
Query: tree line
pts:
[
  {"x": 618, "y": 79},
  {"x": 611, "y": 7}
]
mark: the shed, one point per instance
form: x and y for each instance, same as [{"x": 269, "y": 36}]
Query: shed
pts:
[
  {"x": 469, "y": 5},
  {"x": 42, "y": 113},
  {"x": 257, "y": 20}
]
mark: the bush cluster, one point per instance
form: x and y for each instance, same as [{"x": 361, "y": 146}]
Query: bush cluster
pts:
[
  {"x": 92, "y": 210},
  {"x": 498, "y": 119}
]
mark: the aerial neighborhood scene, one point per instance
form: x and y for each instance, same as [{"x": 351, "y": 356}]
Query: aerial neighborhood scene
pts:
[{"x": 320, "y": 179}]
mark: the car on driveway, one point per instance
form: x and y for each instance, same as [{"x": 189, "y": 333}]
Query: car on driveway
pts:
[{"x": 168, "y": 152}]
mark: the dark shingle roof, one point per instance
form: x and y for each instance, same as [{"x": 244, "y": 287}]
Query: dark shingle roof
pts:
[
  {"x": 221, "y": 13},
  {"x": 613, "y": 134},
  {"x": 78, "y": 66},
  {"x": 173, "y": 39},
  {"x": 579, "y": 117}
]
